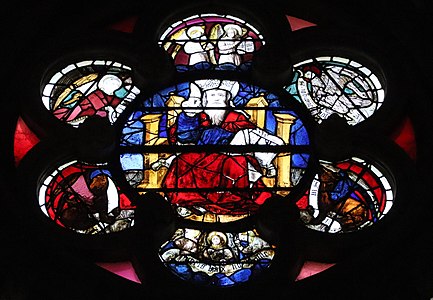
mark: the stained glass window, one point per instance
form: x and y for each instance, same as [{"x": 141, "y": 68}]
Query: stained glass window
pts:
[
  {"x": 337, "y": 85},
  {"x": 346, "y": 196},
  {"x": 211, "y": 41},
  {"x": 249, "y": 197},
  {"x": 216, "y": 258},
  {"x": 89, "y": 88},
  {"x": 216, "y": 150},
  {"x": 217, "y": 128},
  {"x": 84, "y": 198}
]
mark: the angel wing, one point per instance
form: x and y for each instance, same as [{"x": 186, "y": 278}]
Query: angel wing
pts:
[
  {"x": 215, "y": 33},
  {"x": 179, "y": 38}
]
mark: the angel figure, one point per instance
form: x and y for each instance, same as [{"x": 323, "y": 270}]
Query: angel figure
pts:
[
  {"x": 231, "y": 43},
  {"x": 195, "y": 45}
]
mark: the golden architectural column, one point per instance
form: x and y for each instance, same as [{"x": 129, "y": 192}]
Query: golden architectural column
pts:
[
  {"x": 283, "y": 160},
  {"x": 151, "y": 178},
  {"x": 151, "y": 130}
]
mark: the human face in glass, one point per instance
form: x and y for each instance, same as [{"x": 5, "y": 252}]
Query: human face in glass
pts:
[{"x": 216, "y": 98}]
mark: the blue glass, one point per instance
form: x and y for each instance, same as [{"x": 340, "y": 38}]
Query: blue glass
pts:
[
  {"x": 241, "y": 275},
  {"x": 131, "y": 161},
  {"x": 157, "y": 104},
  {"x": 225, "y": 281},
  {"x": 132, "y": 134}
]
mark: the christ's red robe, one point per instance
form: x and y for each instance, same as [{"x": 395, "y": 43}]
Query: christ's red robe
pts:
[{"x": 218, "y": 182}]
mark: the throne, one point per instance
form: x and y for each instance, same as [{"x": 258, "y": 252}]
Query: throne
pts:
[{"x": 255, "y": 108}]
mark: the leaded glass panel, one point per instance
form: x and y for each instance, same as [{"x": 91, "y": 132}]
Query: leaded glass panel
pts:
[
  {"x": 211, "y": 41},
  {"x": 216, "y": 149},
  {"x": 347, "y": 196},
  {"x": 89, "y": 88},
  {"x": 335, "y": 85},
  {"x": 216, "y": 258},
  {"x": 84, "y": 198}
]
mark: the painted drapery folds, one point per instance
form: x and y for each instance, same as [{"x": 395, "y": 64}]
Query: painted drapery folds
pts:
[
  {"x": 216, "y": 150},
  {"x": 259, "y": 147},
  {"x": 89, "y": 88}
]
